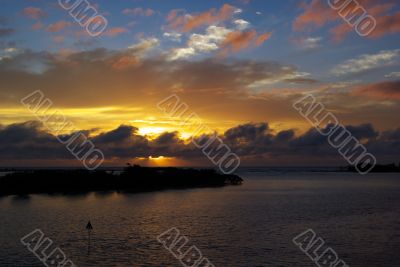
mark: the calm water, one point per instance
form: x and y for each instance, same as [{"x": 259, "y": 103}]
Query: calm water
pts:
[{"x": 249, "y": 225}]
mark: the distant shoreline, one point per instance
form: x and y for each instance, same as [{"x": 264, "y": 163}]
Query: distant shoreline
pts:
[
  {"x": 378, "y": 168},
  {"x": 133, "y": 179}
]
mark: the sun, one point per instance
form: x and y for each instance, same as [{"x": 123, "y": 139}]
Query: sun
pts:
[{"x": 160, "y": 158}]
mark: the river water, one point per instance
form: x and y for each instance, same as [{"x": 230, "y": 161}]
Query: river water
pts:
[{"x": 249, "y": 225}]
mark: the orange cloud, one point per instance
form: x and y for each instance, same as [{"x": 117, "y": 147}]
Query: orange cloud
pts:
[
  {"x": 263, "y": 38},
  {"x": 58, "y": 39},
  {"x": 380, "y": 91},
  {"x": 386, "y": 25},
  {"x": 318, "y": 14},
  {"x": 239, "y": 40},
  {"x": 37, "y": 26},
  {"x": 340, "y": 32},
  {"x": 34, "y": 13},
  {"x": 58, "y": 26},
  {"x": 188, "y": 23},
  {"x": 115, "y": 31}
]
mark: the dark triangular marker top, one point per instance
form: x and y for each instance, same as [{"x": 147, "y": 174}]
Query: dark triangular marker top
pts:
[{"x": 89, "y": 226}]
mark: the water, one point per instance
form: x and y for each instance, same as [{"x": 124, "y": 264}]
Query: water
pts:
[{"x": 249, "y": 225}]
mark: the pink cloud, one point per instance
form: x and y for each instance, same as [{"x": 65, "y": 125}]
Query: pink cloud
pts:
[
  {"x": 37, "y": 26},
  {"x": 58, "y": 26},
  {"x": 381, "y": 91},
  {"x": 188, "y": 23},
  {"x": 115, "y": 31},
  {"x": 58, "y": 39},
  {"x": 318, "y": 14},
  {"x": 239, "y": 40},
  {"x": 34, "y": 13}
]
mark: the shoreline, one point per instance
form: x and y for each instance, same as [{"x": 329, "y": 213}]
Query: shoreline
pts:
[{"x": 133, "y": 179}]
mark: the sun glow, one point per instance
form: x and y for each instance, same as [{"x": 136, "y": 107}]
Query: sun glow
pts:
[
  {"x": 157, "y": 158},
  {"x": 152, "y": 131}
]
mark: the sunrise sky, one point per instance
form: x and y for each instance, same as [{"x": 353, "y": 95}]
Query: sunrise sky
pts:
[{"x": 239, "y": 65}]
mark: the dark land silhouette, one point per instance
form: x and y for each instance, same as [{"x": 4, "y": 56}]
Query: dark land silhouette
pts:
[
  {"x": 132, "y": 179},
  {"x": 378, "y": 168}
]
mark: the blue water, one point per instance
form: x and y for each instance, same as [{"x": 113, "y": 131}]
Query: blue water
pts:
[{"x": 249, "y": 225}]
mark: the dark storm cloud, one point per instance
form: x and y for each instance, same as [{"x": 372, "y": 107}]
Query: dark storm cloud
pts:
[
  {"x": 121, "y": 134},
  {"x": 363, "y": 131},
  {"x": 29, "y": 140}
]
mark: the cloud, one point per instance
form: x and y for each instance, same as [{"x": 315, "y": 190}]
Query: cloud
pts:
[
  {"x": 380, "y": 91},
  {"x": 144, "y": 46},
  {"x": 6, "y": 31},
  {"x": 133, "y": 55},
  {"x": 308, "y": 43},
  {"x": 287, "y": 74},
  {"x": 37, "y": 26},
  {"x": 229, "y": 91},
  {"x": 317, "y": 14},
  {"x": 232, "y": 38},
  {"x": 253, "y": 142},
  {"x": 386, "y": 24},
  {"x": 173, "y": 36},
  {"x": 78, "y": 73},
  {"x": 393, "y": 75},
  {"x": 241, "y": 24},
  {"x": 188, "y": 23},
  {"x": 115, "y": 31},
  {"x": 58, "y": 39},
  {"x": 58, "y": 26},
  {"x": 237, "y": 40},
  {"x": 209, "y": 41},
  {"x": 201, "y": 43},
  {"x": 34, "y": 13},
  {"x": 181, "y": 53},
  {"x": 121, "y": 134},
  {"x": 367, "y": 62},
  {"x": 139, "y": 12}
]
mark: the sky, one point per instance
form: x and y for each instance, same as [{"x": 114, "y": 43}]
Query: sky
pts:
[{"x": 239, "y": 65}]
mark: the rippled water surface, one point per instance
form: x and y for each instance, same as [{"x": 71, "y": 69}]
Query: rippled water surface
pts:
[{"x": 249, "y": 225}]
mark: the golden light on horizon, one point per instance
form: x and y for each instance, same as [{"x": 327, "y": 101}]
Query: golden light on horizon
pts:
[
  {"x": 152, "y": 131},
  {"x": 157, "y": 158},
  {"x": 159, "y": 161}
]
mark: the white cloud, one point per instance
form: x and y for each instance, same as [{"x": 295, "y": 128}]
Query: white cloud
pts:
[
  {"x": 393, "y": 75},
  {"x": 241, "y": 24},
  {"x": 201, "y": 43},
  {"x": 258, "y": 13},
  {"x": 144, "y": 46},
  {"x": 10, "y": 50},
  {"x": 311, "y": 42},
  {"x": 367, "y": 62},
  {"x": 180, "y": 53},
  {"x": 173, "y": 36},
  {"x": 287, "y": 74}
]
